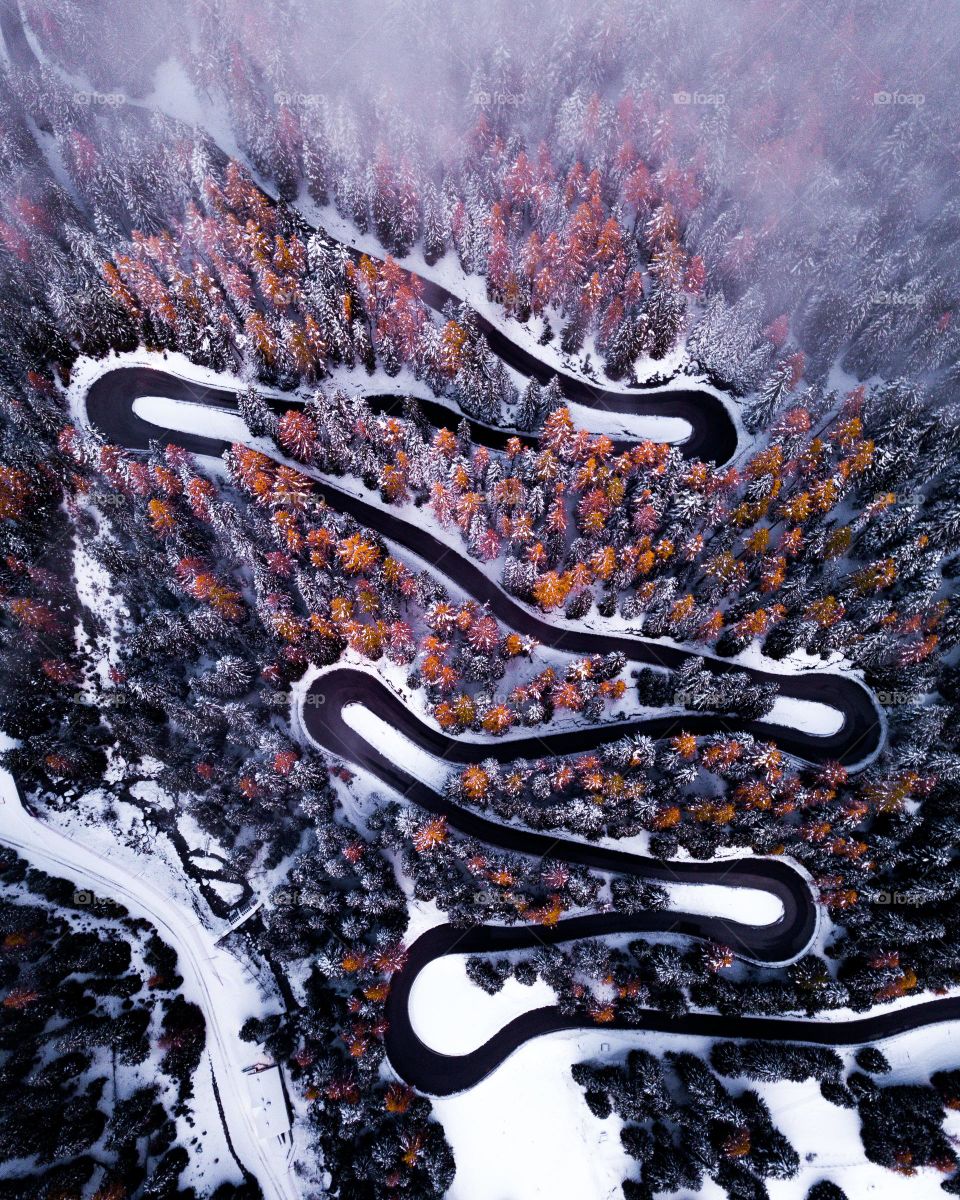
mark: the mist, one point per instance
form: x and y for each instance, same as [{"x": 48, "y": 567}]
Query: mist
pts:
[{"x": 823, "y": 136}]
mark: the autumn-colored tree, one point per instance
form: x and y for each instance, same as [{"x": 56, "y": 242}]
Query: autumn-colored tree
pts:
[{"x": 357, "y": 554}]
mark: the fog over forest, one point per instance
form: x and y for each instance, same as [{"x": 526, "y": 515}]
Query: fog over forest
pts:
[{"x": 823, "y": 135}]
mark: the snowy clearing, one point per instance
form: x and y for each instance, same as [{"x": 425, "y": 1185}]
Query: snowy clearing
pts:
[
  {"x": 547, "y": 1143},
  {"x": 550, "y": 1146}
]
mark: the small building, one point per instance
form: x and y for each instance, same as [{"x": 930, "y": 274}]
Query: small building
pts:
[{"x": 268, "y": 1102}]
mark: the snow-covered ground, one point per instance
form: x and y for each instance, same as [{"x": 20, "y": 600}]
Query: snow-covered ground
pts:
[
  {"x": 396, "y": 746},
  {"x": 190, "y": 418},
  {"x": 451, "y": 1014},
  {"x": 809, "y": 715},
  {"x": 652, "y": 428},
  {"x": 550, "y": 1147},
  {"x": 525, "y": 1133}
]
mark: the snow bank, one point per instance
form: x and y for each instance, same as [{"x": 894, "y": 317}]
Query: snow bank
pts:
[
  {"x": 751, "y": 906},
  {"x": 810, "y": 716},
  {"x": 618, "y": 425},
  {"x": 182, "y": 416},
  {"x": 396, "y": 746}
]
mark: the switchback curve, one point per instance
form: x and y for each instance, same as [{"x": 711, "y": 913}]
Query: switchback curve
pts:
[
  {"x": 443, "y": 1074},
  {"x": 774, "y": 944},
  {"x": 340, "y": 687},
  {"x": 713, "y": 437},
  {"x": 110, "y": 408}
]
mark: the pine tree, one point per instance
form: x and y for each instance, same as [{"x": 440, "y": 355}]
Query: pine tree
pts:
[
  {"x": 434, "y": 226},
  {"x": 256, "y": 413},
  {"x": 783, "y": 380},
  {"x": 529, "y": 413}
]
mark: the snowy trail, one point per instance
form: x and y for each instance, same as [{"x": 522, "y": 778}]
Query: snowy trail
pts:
[{"x": 212, "y": 977}]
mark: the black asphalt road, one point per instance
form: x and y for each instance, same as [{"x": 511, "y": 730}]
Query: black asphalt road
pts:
[
  {"x": 443, "y": 1074},
  {"x": 110, "y": 409},
  {"x": 772, "y": 944},
  {"x": 336, "y": 689},
  {"x": 714, "y": 439},
  {"x": 713, "y": 436}
]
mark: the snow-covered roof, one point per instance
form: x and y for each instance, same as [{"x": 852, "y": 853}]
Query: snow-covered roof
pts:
[{"x": 268, "y": 1104}]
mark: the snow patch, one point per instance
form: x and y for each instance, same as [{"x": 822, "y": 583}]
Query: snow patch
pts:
[
  {"x": 810, "y": 716},
  {"x": 451, "y": 1014},
  {"x": 396, "y": 746},
  {"x": 673, "y": 430},
  {"x": 547, "y": 1143},
  {"x": 185, "y": 417}
]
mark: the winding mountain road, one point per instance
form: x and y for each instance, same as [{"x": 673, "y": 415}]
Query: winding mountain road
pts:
[
  {"x": 109, "y": 407},
  {"x": 777, "y": 942},
  {"x": 773, "y": 944},
  {"x": 713, "y": 438},
  {"x": 444, "y": 1074},
  {"x": 713, "y": 433}
]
